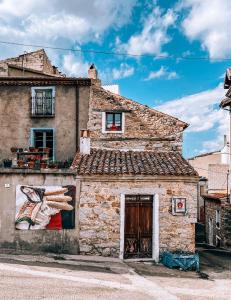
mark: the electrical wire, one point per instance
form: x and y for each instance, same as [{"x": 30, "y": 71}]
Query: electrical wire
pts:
[{"x": 181, "y": 57}]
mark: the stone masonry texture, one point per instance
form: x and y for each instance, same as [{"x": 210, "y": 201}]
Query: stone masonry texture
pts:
[
  {"x": 145, "y": 128},
  {"x": 99, "y": 213}
]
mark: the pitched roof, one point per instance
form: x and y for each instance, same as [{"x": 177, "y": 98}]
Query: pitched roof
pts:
[
  {"x": 115, "y": 162},
  {"x": 122, "y": 103}
]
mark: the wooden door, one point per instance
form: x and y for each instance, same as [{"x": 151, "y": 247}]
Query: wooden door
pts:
[{"x": 138, "y": 226}]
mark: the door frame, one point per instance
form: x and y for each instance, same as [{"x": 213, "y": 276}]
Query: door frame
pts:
[{"x": 155, "y": 225}]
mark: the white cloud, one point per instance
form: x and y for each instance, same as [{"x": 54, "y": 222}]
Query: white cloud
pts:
[
  {"x": 59, "y": 23},
  {"x": 162, "y": 72},
  {"x": 74, "y": 65},
  {"x": 201, "y": 111},
  {"x": 124, "y": 71},
  {"x": 153, "y": 35},
  {"x": 209, "y": 22}
]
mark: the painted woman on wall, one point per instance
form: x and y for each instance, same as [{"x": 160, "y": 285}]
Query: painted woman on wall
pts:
[{"x": 42, "y": 208}]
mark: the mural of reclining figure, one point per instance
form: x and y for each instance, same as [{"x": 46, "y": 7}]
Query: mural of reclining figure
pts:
[{"x": 39, "y": 205}]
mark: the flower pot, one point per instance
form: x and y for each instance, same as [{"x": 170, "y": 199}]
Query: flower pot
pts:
[
  {"x": 20, "y": 163},
  {"x": 43, "y": 165},
  {"x": 31, "y": 164},
  {"x": 7, "y": 163}
]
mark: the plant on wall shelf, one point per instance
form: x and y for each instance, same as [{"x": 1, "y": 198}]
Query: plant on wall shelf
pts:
[{"x": 7, "y": 163}]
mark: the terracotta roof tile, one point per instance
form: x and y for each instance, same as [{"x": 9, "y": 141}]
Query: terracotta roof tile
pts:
[{"x": 115, "y": 162}]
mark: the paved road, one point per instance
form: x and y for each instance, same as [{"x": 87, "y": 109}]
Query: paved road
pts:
[{"x": 48, "y": 279}]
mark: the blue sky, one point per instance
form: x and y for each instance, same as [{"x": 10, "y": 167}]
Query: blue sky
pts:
[{"x": 188, "y": 89}]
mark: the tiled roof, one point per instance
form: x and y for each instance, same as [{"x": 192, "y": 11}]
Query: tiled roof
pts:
[
  {"x": 115, "y": 162},
  {"x": 37, "y": 81}
]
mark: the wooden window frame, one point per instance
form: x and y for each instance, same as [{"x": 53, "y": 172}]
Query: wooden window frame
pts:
[
  {"x": 32, "y": 136},
  {"x": 33, "y": 102},
  {"x": 104, "y": 122}
]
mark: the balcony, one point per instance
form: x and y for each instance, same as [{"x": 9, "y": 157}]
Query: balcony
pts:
[{"x": 43, "y": 107}]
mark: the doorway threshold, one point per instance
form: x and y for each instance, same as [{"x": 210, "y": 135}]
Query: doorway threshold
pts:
[{"x": 138, "y": 259}]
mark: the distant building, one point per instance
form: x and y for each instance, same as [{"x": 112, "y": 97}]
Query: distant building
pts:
[
  {"x": 217, "y": 220},
  {"x": 114, "y": 88},
  {"x": 212, "y": 168}
]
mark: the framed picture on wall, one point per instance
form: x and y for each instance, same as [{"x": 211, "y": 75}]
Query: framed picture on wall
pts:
[{"x": 179, "y": 206}]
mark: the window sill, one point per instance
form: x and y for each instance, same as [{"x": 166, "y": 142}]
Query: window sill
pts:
[
  {"x": 42, "y": 116},
  {"x": 112, "y": 131}
]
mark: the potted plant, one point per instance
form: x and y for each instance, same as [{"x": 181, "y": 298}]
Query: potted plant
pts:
[
  {"x": 20, "y": 163},
  {"x": 37, "y": 164},
  {"x": 7, "y": 163},
  {"x": 53, "y": 165},
  {"x": 43, "y": 164},
  {"x": 31, "y": 163}
]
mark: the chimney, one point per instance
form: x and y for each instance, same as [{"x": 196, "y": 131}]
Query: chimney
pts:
[
  {"x": 85, "y": 142},
  {"x": 92, "y": 72}
]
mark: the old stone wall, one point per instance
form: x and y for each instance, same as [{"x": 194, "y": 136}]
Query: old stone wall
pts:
[
  {"x": 145, "y": 128},
  {"x": 65, "y": 241},
  {"x": 36, "y": 60},
  {"x": 224, "y": 231},
  {"x": 99, "y": 215}
]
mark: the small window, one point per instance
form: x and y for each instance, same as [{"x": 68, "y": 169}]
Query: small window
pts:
[
  {"x": 43, "y": 101},
  {"x": 113, "y": 121},
  {"x": 218, "y": 218}
]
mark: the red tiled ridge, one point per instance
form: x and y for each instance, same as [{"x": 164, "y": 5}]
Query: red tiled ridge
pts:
[{"x": 115, "y": 162}]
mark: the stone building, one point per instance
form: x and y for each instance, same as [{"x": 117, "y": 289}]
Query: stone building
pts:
[
  {"x": 129, "y": 192},
  {"x": 36, "y": 64},
  {"x": 217, "y": 220},
  {"x": 126, "y": 206},
  {"x": 212, "y": 168}
]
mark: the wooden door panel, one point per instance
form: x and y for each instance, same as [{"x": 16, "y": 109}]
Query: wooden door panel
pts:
[{"x": 138, "y": 226}]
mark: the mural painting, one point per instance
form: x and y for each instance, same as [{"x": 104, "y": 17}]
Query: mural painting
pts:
[{"x": 45, "y": 207}]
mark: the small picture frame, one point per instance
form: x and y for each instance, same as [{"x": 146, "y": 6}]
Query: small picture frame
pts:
[{"x": 179, "y": 206}]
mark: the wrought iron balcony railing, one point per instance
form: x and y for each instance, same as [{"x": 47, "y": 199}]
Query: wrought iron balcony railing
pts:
[{"x": 43, "y": 106}]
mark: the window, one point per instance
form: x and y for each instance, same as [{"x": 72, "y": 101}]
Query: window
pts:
[
  {"x": 43, "y": 138},
  {"x": 218, "y": 218},
  {"x": 113, "y": 122},
  {"x": 43, "y": 101}
]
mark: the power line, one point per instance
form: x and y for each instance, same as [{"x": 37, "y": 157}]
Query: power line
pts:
[{"x": 181, "y": 57}]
